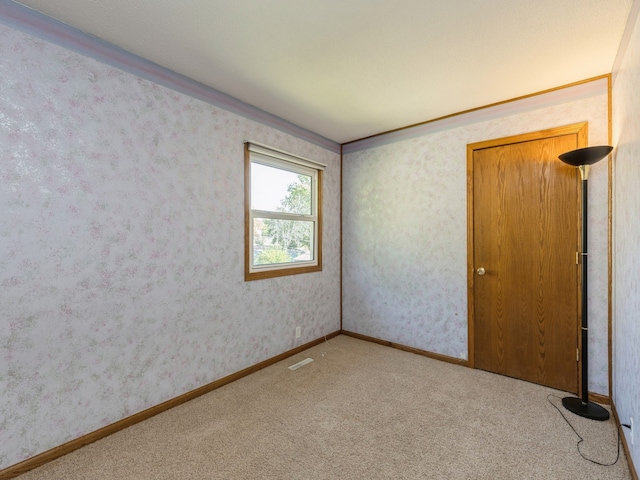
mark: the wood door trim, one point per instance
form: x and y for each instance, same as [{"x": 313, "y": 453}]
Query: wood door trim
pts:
[
  {"x": 578, "y": 129},
  {"x": 610, "y": 237}
]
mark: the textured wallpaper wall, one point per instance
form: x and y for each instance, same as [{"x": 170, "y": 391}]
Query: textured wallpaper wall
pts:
[
  {"x": 405, "y": 241},
  {"x": 626, "y": 318},
  {"x": 121, "y": 247}
]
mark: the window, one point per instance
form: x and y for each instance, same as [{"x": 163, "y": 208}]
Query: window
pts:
[{"x": 283, "y": 213}]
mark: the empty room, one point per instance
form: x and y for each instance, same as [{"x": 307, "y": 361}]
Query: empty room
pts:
[{"x": 319, "y": 239}]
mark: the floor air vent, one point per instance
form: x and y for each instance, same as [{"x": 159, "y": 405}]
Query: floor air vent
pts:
[{"x": 301, "y": 363}]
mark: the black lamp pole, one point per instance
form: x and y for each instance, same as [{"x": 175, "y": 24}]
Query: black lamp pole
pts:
[{"x": 583, "y": 158}]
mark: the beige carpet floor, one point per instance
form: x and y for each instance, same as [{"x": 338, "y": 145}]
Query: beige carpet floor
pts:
[{"x": 358, "y": 411}]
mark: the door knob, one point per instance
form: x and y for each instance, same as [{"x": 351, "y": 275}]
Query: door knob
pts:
[{"x": 481, "y": 271}]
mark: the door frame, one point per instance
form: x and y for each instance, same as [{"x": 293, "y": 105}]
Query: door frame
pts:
[{"x": 578, "y": 129}]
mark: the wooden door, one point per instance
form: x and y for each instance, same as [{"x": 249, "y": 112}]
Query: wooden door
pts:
[{"x": 524, "y": 233}]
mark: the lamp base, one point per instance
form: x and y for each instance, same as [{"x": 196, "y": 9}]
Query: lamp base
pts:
[{"x": 589, "y": 410}]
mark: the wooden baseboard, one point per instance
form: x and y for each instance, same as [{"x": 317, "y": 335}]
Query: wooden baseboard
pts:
[
  {"x": 61, "y": 450},
  {"x": 417, "y": 351},
  {"x": 56, "y": 452},
  {"x": 625, "y": 445},
  {"x": 594, "y": 397},
  {"x": 599, "y": 398}
]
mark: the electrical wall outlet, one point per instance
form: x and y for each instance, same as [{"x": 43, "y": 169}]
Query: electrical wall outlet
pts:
[
  {"x": 298, "y": 332},
  {"x": 631, "y": 429}
]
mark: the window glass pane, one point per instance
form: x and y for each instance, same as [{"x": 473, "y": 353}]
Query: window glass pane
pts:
[
  {"x": 277, "y": 190},
  {"x": 281, "y": 241}
]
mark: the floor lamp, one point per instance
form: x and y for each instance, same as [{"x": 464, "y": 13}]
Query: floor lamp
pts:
[{"x": 583, "y": 158}]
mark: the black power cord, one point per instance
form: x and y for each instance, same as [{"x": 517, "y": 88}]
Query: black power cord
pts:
[{"x": 582, "y": 439}]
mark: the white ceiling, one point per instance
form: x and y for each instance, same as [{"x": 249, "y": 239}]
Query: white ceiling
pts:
[{"x": 347, "y": 69}]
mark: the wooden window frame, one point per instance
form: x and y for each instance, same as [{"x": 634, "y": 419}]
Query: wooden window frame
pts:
[{"x": 252, "y": 272}]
